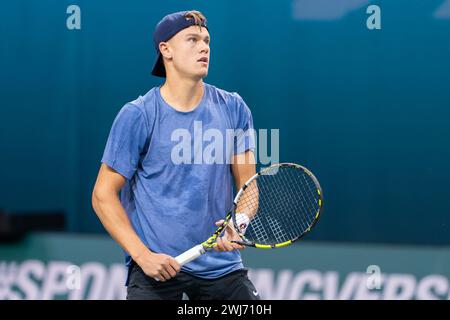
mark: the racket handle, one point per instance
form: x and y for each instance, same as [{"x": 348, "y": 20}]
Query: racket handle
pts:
[{"x": 190, "y": 255}]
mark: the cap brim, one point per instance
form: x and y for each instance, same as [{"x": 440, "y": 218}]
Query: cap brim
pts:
[{"x": 158, "y": 68}]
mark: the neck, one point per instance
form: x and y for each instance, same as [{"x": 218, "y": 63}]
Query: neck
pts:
[{"x": 182, "y": 94}]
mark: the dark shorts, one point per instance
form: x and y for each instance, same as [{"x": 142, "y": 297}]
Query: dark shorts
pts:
[{"x": 233, "y": 286}]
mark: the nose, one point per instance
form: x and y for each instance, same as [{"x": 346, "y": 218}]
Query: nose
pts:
[{"x": 204, "y": 48}]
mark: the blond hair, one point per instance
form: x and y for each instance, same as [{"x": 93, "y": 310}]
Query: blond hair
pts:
[{"x": 197, "y": 16}]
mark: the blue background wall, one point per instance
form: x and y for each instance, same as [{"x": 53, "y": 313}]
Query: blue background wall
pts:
[{"x": 368, "y": 111}]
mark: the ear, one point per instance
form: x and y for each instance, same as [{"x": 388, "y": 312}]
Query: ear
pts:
[{"x": 165, "y": 49}]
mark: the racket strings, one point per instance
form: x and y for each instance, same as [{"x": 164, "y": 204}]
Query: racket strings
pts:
[{"x": 282, "y": 204}]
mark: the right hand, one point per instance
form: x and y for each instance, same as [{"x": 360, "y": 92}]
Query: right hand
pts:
[{"x": 159, "y": 266}]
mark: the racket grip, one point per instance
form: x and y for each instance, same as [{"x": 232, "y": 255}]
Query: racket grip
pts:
[{"x": 190, "y": 255}]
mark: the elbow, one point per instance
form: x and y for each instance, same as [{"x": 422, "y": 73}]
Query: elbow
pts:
[
  {"x": 99, "y": 196},
  {"x": 95, "y": 200}
]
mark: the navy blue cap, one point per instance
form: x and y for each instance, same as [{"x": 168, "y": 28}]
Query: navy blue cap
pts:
[{"x": 169, "y": 26}]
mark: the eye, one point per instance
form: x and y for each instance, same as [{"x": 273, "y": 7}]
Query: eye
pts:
[{"x": 192, "y": 39}]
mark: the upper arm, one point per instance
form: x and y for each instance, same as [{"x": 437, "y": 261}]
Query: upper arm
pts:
[
  {"x": 245, "y": 139},
  {"x": 127, "y": 141},
  {"x": 108, "y": 182},
  {"x": 243, "y": 164},
  {"x": 243, "y": 167}
]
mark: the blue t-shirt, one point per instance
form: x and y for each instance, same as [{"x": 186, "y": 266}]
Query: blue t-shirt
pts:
[{"x": 179, "y": 180}]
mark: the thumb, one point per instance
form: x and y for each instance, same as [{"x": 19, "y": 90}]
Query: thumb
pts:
[{"x": 218, "y": 223}]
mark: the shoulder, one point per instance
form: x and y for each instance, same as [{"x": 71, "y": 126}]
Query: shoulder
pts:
[
  {"x": 141, "y": 107},
  {"x": 232, "y": 100},
  {"x": 233, "y": 105},
  {"x": 223, "y": 95}
]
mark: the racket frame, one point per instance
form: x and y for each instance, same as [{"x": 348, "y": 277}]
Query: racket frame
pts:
[
  {"x": 209, "y": 244},
  {"x": 266, "y": 170}
]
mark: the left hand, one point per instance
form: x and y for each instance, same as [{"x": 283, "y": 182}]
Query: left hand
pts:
[{"x": 224, "y": 243}]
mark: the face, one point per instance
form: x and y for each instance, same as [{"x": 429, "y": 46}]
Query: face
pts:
[{"x": 188, "y": 52}]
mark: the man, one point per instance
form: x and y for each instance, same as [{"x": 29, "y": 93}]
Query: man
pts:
[{"x": 168, "y": 205}]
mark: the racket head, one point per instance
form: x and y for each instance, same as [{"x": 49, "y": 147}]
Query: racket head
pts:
[{"x": 284, "y": 202}]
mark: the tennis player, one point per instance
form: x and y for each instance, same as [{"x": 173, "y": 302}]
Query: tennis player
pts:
[{"x": 165, "y": 205}]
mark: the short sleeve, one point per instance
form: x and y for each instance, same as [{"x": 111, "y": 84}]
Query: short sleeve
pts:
[
  {"x": 126, "y": 142},
  {"x": 245, "y": 132}
]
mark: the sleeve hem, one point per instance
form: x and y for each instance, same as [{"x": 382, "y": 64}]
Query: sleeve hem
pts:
[{"x": 125, "y": 173}]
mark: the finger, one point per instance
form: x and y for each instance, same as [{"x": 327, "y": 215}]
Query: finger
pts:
[
  {"x": 237, "y": 246},
  {"x": 223, "y": 245},
  {"x": 171, "y": 271},
  {"x": 227, "y": 245},
  {"x": 164, "y": 275},
  {"x": 220, "y": 222},
  {"x": 175, "y": 265},
  {"x": 219, "y": 246}
]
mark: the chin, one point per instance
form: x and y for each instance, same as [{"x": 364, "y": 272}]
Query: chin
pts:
[{"x": 201, "y": 74}]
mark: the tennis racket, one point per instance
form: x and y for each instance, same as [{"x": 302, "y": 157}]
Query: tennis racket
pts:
[{"x": 273, "y": 209}]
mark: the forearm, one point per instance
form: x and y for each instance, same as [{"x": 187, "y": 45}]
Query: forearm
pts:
[
  {"x": 243, "y": 169},
  {"x": 115, "y": 220}
]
